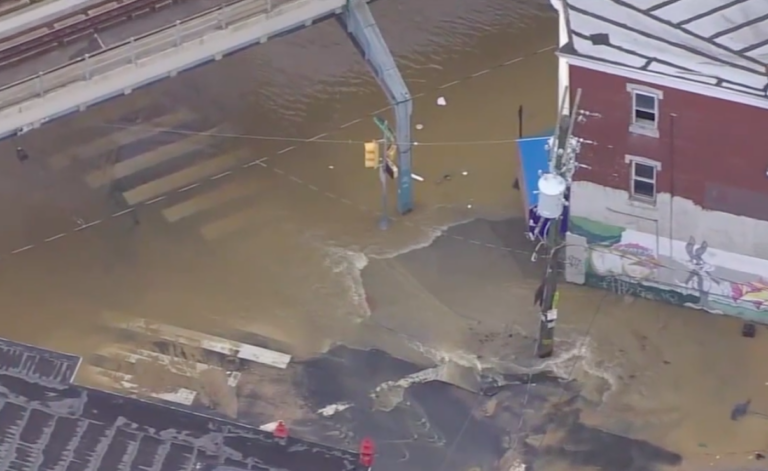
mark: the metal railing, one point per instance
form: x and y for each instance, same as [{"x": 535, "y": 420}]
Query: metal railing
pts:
[{"x": 135, "y": 50}]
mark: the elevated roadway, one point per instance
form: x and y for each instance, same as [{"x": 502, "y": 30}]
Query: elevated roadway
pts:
[{"x": 29, "y": 103}]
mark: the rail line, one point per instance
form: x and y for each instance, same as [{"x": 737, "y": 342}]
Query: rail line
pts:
[{"x": 90, "y": 19}]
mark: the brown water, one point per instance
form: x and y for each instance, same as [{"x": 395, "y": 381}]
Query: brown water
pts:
[
  {"x": 278, "y": 248},
  {"x": 284, "y": 246}
]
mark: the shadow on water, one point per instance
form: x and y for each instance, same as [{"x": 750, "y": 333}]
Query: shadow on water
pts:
[
  {"x": 565, "y": 438},
  {"x": 440, "y": 427},
  {"x": 432, "y": 428}
]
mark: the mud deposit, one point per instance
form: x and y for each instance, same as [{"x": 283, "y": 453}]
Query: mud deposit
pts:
[{"x": 438, "y": 426}]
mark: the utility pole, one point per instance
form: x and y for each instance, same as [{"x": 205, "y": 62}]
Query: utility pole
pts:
[{"x": 553, "y": 187}]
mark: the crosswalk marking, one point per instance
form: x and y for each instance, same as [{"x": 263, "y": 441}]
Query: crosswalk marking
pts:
[
  {"x": 231, "y": 223},
  {"x": 114, "y": 140},
  {"x": 184, "y": 177},
  {"x": 101, "y": 177},
  {"x": 75, "y": 129},
  {"x": 209, "y": 342},
  {"x": 175, "y": 365},
  {"x": 206, "y": 201},
  {"x": 123, "y": 382}
]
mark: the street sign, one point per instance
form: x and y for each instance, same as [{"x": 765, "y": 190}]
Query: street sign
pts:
[{"x": 389, "y": 136}]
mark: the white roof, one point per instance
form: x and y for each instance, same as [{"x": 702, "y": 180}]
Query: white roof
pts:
[{"x": 718, "y": 42}]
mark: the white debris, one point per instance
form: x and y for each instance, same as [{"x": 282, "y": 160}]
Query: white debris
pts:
[
  {"x": 419, "y": 127},
  {"x": 330, "y": 167},
  {"x": 418, "y": 178},
  {"x": 465, "y": 173},
  {"x": 389, "y": 394},
  {"x": 270, "y": 427},
  {"x": 333, "y": 409},
  {"x": 441, "y": 101}
]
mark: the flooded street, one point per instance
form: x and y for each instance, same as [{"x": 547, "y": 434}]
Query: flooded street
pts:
[{"x": 233, "y": 201}]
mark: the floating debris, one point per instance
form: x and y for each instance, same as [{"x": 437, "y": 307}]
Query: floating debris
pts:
[{"x": 333, "y": 409}]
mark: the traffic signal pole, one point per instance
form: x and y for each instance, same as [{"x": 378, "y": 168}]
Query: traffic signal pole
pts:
[
  {"x": 384, "y": 218},
  {"x": 384, "y": 155}
]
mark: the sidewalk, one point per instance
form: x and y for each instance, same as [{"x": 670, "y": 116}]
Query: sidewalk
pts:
[{"x": 652, "y": 383}]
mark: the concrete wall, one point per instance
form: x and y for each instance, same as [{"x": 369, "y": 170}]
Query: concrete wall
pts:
[
  {"x": 704, "y": 243},
  {"x": 613, "y": 247}
]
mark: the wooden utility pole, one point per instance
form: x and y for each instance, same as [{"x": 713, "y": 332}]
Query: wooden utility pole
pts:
[{"x": 547, "y": 295}]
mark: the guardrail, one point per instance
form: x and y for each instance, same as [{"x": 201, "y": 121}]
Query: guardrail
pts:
[
  {"x": 29, "y": 43},
  {"x": 29, "y": 103},
  {"x": 135, "y": 50}
]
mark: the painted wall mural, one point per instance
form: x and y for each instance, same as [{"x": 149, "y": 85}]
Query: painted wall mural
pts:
[{"x": 685, "y": 272}]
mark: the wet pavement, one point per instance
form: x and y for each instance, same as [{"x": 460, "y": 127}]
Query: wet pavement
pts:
[{"x": 232, "y": 202}]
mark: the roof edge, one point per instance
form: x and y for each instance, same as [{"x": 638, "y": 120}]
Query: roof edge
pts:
[{"x": 573, "y": 58}]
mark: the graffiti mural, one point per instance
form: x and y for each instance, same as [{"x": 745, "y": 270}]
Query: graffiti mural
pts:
[{"x": 689, "y": 273}]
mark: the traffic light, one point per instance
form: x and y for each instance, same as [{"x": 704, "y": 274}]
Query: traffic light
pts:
[{"x": 371, "y": 154}]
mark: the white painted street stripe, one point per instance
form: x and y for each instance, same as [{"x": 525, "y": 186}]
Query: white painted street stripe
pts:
[
  {"x": 211, "y": 199},
  {"x": 57, "y": 236},
  {"x": 101, "y": 177},
  {"x": 221, "y": 175},
  {"x": 86, "y": 226},
  {"x": 114, "y": 140},
  {"x": 177, "y": 366},
  {"x": 120, "y": 213},
  {"x": 210, "y": 342},
  {"x": 155, "y": 200},
  {"x": 184, "y": 177},
  {"x": 67, "y": 133},
  {"x": 231, "y": 223},
  {"x": 126, "y": 383},
  {"x": 186, "y": 188},
  {"x": 257, "y": 162}
]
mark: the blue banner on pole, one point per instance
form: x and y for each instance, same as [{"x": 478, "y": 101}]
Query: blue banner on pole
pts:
[{"x": 534, "y": 161}]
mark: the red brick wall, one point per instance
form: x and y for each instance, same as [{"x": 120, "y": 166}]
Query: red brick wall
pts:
[{"x": 714, "y": 152}]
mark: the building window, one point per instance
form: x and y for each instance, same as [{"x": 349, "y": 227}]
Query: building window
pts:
[
  {"x": 643, "y": 178},
  {"x": 645, "y": 110}
]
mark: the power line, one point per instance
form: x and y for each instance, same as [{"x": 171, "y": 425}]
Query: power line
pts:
[
  {"x": 302, "y": 140},
  {"x": 466, "y": 78}
]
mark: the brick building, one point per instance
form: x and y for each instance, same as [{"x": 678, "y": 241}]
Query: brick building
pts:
[{"x": 672, "y": 203}]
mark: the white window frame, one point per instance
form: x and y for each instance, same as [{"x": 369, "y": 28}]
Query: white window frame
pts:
[
  {"x": 633, "y": 160},
  {"x": 644, "y": 128}
]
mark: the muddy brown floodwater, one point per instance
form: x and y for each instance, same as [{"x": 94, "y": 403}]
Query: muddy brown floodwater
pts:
[{"x": 114, "y": 219}]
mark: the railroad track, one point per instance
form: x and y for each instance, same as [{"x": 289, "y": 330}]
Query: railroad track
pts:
[{"x": 43, "y": 38}]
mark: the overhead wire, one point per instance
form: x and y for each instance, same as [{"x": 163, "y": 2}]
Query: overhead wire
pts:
[
  {"x": 466, "y": 78},
  {"x": 589, "y": 115},
  {"x": 301, "y": 140}
]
